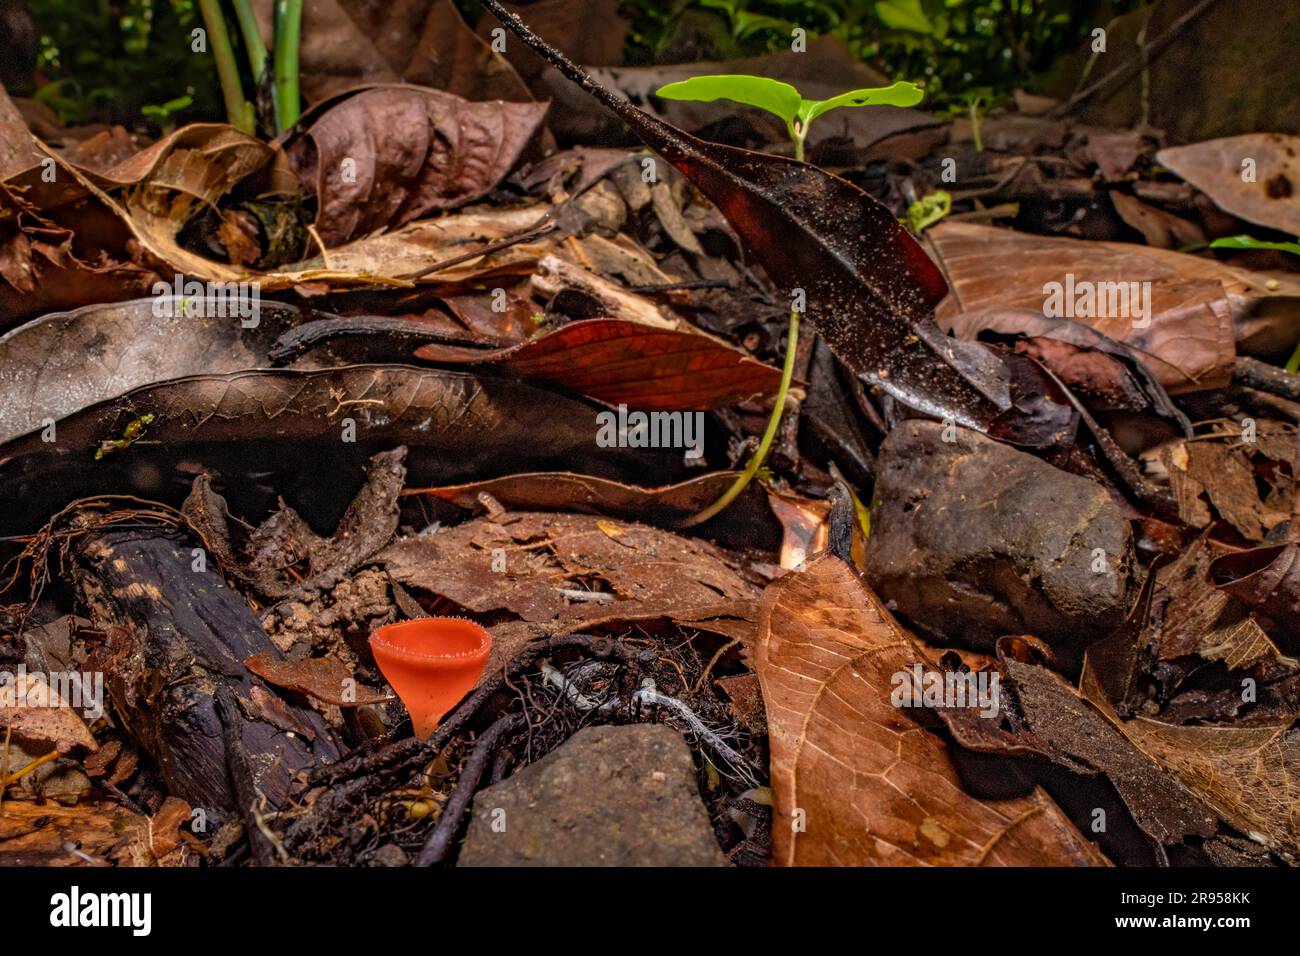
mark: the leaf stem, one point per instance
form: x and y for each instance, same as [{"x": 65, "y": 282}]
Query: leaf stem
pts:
[
  {"x": 288, "y": 27},
  {"x": 238, "y": 110},
  {"x": 798, "y": 133},
  {"x": 252, "y": 38},
  {"x": 773, "y": 422}
]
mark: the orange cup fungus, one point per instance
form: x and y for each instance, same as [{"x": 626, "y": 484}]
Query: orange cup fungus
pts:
[{"x": 431, "y": 662}]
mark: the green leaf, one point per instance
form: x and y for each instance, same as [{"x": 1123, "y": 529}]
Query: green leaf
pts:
[
  {"x": 767, "y": 94},
  {"x": 901, "y": 93},
  {"x": 751, "y": 23},
  {"x": 904, "y": 15},
  {"x": 927, "y": 211},
  {"x": 1250, "y": 242}
]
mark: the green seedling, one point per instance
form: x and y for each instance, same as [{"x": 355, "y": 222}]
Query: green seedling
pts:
[
  {"x": 1250, "y": 242},
  {"x": 163, "y": 112},
  {"x": 239, "y": 112},
  {"x": 288, "y": 29},
  {"x": 798, "y": 112},
  {"x": 928, "y": 210},
  {"x": 784, "y": 100}
]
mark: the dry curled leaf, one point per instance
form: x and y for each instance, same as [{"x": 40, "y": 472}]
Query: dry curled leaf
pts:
[
  {"x": 382, "y": 156},
  {"x": 869, "y": 784},
  {"x": 39, "y": 716}
]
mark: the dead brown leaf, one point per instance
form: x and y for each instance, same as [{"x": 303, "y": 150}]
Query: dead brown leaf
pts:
[
  {"x": 1270, "y": 197},
  {"x": 1189, "y": 343},
  {"x": 325, "y": 678},
  {"x": 1245, "y": 773},
  {"x": 382, "y": 156},
  {"x": 1160, "y": 228},
  {"x": 871, "y": 786},
  {"x": 555, "y": 573},
  {"x": 38, "y": 716}
]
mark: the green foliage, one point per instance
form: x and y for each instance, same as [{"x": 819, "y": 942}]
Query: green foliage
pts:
[
  {"x": 767, "y": 94},
  {"x": 954, "y": 47},
  {"x": 106, "y": 61},
  {"x": 904, "y": 15},
  {"x": 163, "y": 112},
  {"x": 1250, "y": 242},
  {"x": 784, "y": 100}
]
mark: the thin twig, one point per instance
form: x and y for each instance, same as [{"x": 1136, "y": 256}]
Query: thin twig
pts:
[
  {"x": 439, "y": 842},
  {"x": 536, "y": 232}
]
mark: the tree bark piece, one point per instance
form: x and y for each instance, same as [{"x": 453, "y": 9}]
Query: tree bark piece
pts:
[{"x": 178, "y": 638}]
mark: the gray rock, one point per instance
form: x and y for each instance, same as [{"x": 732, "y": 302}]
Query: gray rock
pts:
[
  {"x": 972, "y": 539},
  {"x": 609, "y": 796}
]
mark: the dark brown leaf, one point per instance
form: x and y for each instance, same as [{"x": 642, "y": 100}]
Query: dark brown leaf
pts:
[
  {"x": 870, "y": 288},
  {"x": 1245, "y": 773},
  {"x": 379, "y": 157},
  {"x": 61, "y": 363},
  {"x": 1076, "y": 730}
]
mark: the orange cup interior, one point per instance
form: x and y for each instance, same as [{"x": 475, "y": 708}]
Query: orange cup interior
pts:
[{"x": 432, "y": 663}]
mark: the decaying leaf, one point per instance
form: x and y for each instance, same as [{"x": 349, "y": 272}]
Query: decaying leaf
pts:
[
  {"x": 63, "y": 362},
  {"x": 1270, "y": 197},
  {"x": 556, "y": 572},
  {"x": 325, "y": 678},
  {"x": 477, "y": 423},
  {"x": 630, "y": 363},
  {"x": 1245, "y": 773},
  {"x": 565, "y": 491},
  {"x": 267, "y": 560},
  {"x": 1182, "y": 323},
  {"x": 1266, "y": 579},
  {"x": 382, "y": 156},
  {"x": 866, "y": 783},
  {"x": 40, "y": 716},
  {"x": 1159, "y": 228},
  {"x": 1225, "y": 477},
  {"x": 869, "y": 286},
  {"x": 47, "y": 834},
  {"x": 1072, "y": 730}
]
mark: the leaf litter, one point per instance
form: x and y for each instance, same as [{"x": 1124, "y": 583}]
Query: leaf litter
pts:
[{"x": 408, "y": 430}]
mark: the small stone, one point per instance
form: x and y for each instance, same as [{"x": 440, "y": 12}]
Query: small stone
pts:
[
  {"x": 972, "y": 539},
  {"x": 390, "y": 854},
  {"x": 609, "y": 796}
]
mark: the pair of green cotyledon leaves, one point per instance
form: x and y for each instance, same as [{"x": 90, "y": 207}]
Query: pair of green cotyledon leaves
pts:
[{"x": 784, "y": 100}]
